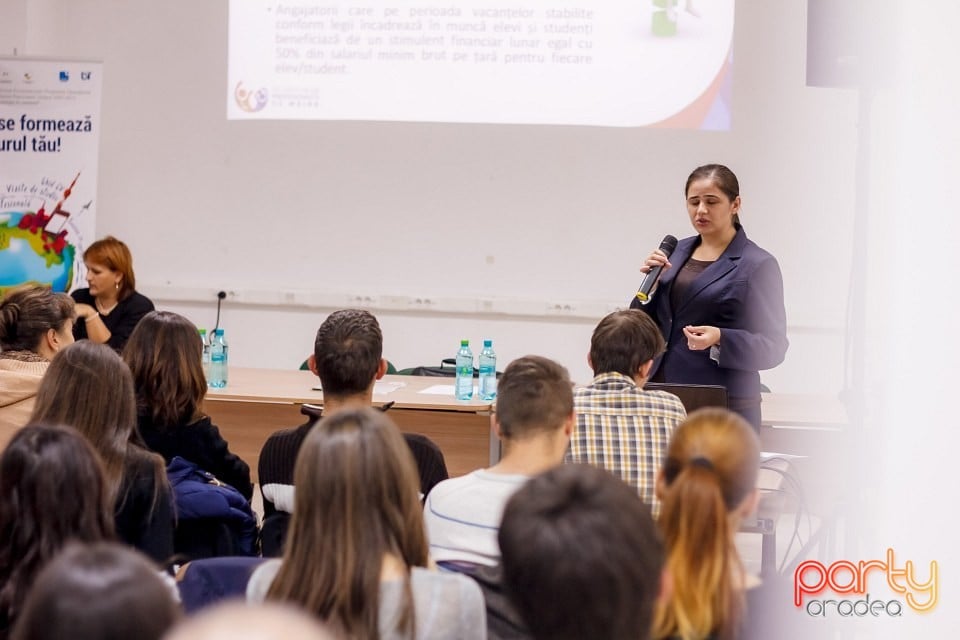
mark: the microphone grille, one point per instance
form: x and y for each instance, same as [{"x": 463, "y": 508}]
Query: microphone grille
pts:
[{"x": 668, "y": 245}]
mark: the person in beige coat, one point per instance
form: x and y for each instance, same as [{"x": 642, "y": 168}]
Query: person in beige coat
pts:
[{"x": 35, "y": 323}]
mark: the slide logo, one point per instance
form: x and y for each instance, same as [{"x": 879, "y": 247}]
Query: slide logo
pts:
[
  {"x": 846, "y": 577},
  {"x": 250, "y": 101}
]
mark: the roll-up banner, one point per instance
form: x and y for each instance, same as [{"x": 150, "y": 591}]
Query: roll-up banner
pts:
[{"x": 49, "y": 138}]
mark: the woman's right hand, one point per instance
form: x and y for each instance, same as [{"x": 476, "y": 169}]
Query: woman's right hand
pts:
[
  {"x": 654, "y": 260},
  {"x": 85, "y": 311}
]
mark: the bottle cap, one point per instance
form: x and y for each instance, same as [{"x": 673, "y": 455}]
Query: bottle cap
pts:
[
  {"x": 218, "y": 332},
  {"x": 464, "y": 343},
  {"x": 488, "y": 343},
  {"x": 203, "y": 332}
]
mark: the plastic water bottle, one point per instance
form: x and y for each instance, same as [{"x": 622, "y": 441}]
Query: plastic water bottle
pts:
[
  {"x": 218, "y": 361},
  {"x": 488, "y": 371},
  {"x": 464, "y": 384},
  {"x": 205, "y": 355}
]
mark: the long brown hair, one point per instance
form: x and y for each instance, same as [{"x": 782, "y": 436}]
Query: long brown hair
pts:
[
  {"x": 711, "y": 468},
  {"x": 356, "y": 501},
  {"x": 88, "y": 387},
  {"x": 52, "y": 490},
  {"x": 163, "y": 354}
]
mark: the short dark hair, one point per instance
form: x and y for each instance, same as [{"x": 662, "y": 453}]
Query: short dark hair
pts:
[
  {"x": 533, "y": 394},
  {"x": 623, "y": 341},
  {"x": 103, "y": 590},
  {"x": 348, "y": 350},
  {"x": 581, "y": 556}
]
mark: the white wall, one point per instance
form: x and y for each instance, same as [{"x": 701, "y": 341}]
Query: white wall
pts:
[
  {"x": 297, "y": 218},
  {"x": 13, "y": 16}
]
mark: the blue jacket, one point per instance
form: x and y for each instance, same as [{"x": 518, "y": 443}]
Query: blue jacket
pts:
[
  {"x": 198, "y": 494},
  {"x": 741, "y": 294}
]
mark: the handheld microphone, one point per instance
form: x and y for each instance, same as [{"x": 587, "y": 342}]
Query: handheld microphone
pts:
[{"x": 667, "y": 246}]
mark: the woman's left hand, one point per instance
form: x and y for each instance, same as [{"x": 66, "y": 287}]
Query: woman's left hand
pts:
[{"x": 700, "y": 338}]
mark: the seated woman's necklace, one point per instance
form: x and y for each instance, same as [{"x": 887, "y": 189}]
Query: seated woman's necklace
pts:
[{"x": 104, "y": 310}]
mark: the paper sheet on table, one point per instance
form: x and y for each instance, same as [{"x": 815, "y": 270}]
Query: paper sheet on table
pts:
[
  {"x": 769, "y": 455},
  {"x": 443, "y": 390},
  {"x": 380, "y": 387}
]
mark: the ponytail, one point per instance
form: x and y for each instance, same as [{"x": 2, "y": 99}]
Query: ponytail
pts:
[{"x": 702, "y": 560}]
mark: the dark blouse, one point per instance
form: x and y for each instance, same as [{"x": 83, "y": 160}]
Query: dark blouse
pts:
[
  {"x": 121, "y": 321},
  {"x": 687, "y": 274},
  {"x": 201, "y": 444}
]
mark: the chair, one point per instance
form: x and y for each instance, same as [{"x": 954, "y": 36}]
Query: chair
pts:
[
  {"x": 210, "y": 580},
  {"x": 693, "y": 396},
  {"x": 429, "y": 458},
  {"x": 206, "y": 538},
  {"x": 273, "y": 532},
  {"x": 213, "y": 518}
]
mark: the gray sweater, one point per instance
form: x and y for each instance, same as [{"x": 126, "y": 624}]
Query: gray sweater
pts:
[{"x": 446, "y": 605}]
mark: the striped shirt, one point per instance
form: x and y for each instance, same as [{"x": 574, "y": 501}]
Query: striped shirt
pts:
[
  {"x": 462, "y": 516},
  {"x": 625, "y": 430}
]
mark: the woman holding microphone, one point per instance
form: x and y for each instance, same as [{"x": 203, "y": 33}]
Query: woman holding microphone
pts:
[{"x": 719, "y": 300}]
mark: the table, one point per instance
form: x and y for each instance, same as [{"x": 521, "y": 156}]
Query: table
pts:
[{"x": 257, "y": 402}]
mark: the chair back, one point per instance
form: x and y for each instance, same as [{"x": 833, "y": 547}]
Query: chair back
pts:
[
  {"x": 693, "y": 396},
  {"x": 211, "y": 580},
  {"x": 431, "y": 466}
]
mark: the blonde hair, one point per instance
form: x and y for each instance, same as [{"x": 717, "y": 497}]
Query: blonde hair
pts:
[{"x": 710, "y": 469}]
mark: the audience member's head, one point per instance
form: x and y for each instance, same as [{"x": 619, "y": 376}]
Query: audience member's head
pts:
[
  {"x": 534, "y": 398},
  {"x": 625, "y": 342},
  {"x": 164, "y": 355},
  {"x": 102, "y": 591},
  {"x": 348, "y": 352},
  {"x": 707, "y": 485},
  {"x": 34, "y": 318},
  {"x": 113, "y": 255},
  {"x": 356, "y": 504},
  {"x": 52, "y": 491},
  {"x": 89, "y": 388},
  {"x": 238, "y": 621},
  {"x": 582, "y": 557}
]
